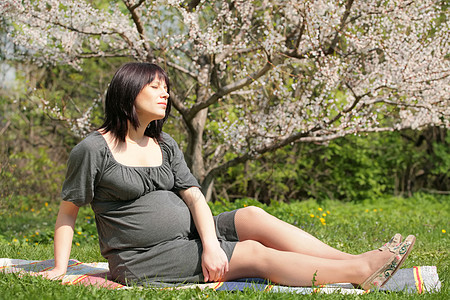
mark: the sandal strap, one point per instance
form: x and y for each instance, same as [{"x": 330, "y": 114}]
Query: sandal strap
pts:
[{"x": 393, "y": 243}]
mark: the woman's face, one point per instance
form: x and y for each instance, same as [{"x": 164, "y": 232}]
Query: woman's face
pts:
[{"x": 151, "y": 102}]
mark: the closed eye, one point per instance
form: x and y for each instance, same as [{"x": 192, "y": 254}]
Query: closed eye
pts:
[{"x": 157, "y": 86}]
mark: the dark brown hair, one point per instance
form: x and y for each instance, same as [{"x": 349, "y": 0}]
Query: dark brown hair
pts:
[{"x": 126, "y": 84}]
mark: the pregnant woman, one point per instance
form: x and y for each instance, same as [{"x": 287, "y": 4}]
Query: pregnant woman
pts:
[{"x": 154, "y": 225}]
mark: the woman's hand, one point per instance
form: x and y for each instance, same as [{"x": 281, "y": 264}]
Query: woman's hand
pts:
[
  {"x": 53, "y": 274},
  {"x": 65, "y": 222},
  {"x": 214, "y": 259},
  {"x": 214, "y": 263}
]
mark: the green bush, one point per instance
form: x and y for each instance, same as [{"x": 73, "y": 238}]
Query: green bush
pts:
[
  {"x": 30, "y": 177},
  {"x": 352, "y": 168}
]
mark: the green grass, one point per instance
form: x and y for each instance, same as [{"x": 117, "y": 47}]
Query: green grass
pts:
[{"x": 26, "y": 232}]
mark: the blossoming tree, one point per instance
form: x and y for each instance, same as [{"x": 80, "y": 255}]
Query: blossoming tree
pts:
[{"x": 250, "y": 77}]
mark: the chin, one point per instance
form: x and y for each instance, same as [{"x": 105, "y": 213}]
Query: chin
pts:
[{"x": 160, "y": 117}]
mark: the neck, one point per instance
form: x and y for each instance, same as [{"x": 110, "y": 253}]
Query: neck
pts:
[{"x": 136, "y": 135}]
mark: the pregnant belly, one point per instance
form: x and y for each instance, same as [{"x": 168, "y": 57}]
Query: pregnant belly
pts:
[{"x": 154, "y": 218}]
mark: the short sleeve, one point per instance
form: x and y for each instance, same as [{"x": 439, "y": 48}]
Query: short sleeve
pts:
[
  {"x": 183, "y": 178},
  {"x": 83, "y": 172}
]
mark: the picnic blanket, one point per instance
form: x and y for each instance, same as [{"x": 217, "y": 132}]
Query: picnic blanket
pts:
[{"x": 419, "y": 279}]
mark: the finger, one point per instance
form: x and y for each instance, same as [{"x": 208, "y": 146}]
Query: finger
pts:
[
  {"x": 214, "y": 274},
  {"x": 35, "y": 274},
  {"x": 219, "y": 274},
  {"x": 205, "y": 274},
  {"x": 227, "y": 267},
  {"x": 50, "y": 276},
  {"x": 40, "y": 274}
]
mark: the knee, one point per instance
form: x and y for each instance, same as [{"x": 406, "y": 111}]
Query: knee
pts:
[
  {"x": 254, "y": 256},
  {"x": 253, "y": 248},
  {"x": 249, "y": 220},
  {"x": 253, "y": 212}
]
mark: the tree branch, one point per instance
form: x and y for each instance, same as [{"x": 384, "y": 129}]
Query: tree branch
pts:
[
  {"x": 137, "y": 4},
  {"x": 177, "y": 103},
  {"x": 191, "y": 5},
  {"x": 101, "y": 54},
  {"x": 300, "y": 137},
  {"x": 228, "y": 89},
  {"x": 70, "y": 28},
  {"x": 332, "y": 46},
  {"x": 139, "y": 26},
  {"x": 177, "y": 67}
]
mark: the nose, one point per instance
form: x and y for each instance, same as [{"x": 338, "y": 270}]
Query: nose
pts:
[{"x": 164, "y": 94}]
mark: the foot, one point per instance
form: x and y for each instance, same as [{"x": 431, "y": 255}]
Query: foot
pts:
[
  {"x": 394, "y": 242},
  {"x": 376, "y": 259},
  {"x": 392, "y": 262}
]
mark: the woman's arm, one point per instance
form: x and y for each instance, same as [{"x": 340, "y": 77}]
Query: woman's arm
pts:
[
  {"x": 64, "y": 227},
  {"x": 214, "y": 259}
]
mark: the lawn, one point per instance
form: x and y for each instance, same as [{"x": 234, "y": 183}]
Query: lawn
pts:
[{"x": 26, "y": 232}]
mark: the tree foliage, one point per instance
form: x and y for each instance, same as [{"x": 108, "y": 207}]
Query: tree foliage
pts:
[
  {"x": 352, "y": 168},
  {"x": 250, "y": 77},
  {"x": 35, "y": 141}
]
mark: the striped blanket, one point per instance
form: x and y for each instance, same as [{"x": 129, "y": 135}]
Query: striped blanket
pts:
[{"x": 416, "y": 280}]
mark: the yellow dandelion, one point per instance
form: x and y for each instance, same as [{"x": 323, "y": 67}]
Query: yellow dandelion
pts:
[
  {"x": 291, "y": 215},
  {"x": 46, "y": 204},
  {"x": 245, "y": 205},
  {"x": 37, "y": 232},
  {"x": 26, "y": 240},
  {"x": 32, "y": 209},
  {"x": 328, "y": 212},
  {"x": 380, "y": 209},
  {"x": 320, "y": 209},
  {"x": 374, "y": 210},
  {"x": 15, "y": 240},
  {"x": 324, "y": 214},
  {"x": 444, "y": 231},
  {"x": 322, "y": 220},
  {"x": 79, "y": 232},
  {"x": 78, "y": 244},
  {"x": 36, "y": 244},
  {"x": 312, "y": 215},
  {"x": 366, "y": 210}
]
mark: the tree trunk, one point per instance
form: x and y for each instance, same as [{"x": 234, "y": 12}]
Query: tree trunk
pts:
[
  {"x": 207, "y": 187},
  {"x": 195, "y": 127},
  {"x": 194, "y": 151}
]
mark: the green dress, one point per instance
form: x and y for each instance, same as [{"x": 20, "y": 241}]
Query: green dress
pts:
[{"x": 145, "y": 230}]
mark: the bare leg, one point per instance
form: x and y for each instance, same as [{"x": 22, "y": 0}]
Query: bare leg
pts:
[
  {"x": 253, "y": 223},
  {"x": 252, "y": 259}
]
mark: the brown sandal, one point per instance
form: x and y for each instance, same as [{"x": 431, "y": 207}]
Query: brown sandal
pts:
[
  {"x": 404, "y": 250},
  {"x": 383, "y": 274},
  {"x": 393, "y": 242}
]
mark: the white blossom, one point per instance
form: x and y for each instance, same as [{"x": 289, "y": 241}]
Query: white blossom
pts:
[{"x": 334, "y": 70}]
